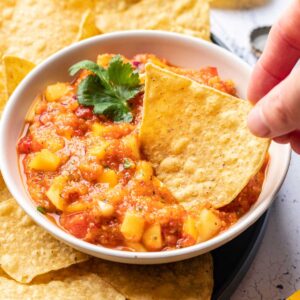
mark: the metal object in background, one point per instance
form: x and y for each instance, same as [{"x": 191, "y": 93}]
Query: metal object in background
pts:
[{"x": 258, "y": 39}]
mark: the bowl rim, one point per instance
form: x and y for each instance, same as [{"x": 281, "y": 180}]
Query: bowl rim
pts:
[{"x": 113, "y": 254}]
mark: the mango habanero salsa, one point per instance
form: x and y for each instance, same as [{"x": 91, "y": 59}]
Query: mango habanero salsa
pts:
[{"x": 83, "y": 168}]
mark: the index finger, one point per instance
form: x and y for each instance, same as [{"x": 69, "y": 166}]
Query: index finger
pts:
[{"x": 280, "y": 55}]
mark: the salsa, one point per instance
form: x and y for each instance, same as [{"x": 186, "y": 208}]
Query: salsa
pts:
[{"x": 85, "y": 171}]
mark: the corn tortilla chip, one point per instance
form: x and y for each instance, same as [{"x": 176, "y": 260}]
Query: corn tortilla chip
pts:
[
  {"x": 197, "y": 139},
  {"x": 231, "y": 4},
  {"x": 15, "y": 69},
  {"x": 67, "y": 284},
  {"x": 6, "y": 13},
  {"x": 39, "y": 28},
  {"x": 26, "y": 250},
  {"x": 3, "y": 90},
  {"x": 190, "y": 279},
  {"x": 183, "y": 16},
  {"x": 87, "y": 26},
  {"x": 4, "y": 192}
]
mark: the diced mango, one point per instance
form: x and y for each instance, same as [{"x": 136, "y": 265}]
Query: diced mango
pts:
[
  {"x": 98, "y": 129},
  {"x": 98, "y": 150},
  {"x": 138, "y": 247},
  {"x": 144, "y": 171},
  {"x": 104, "y": 59},
  {"x": 132, "y": 226},
  {"x": 208, "y": 225},
  {"x": 54, "y": 192},
  {"x": 152, "y": 237},
  {"x": 109, "y": 176},
  {"x": 77, "y": 206},
  {"x": 294, "y": 296},
  {"x": 45, "y": 160},
  {"x": 189, "y": 227},
  {"x": 131, "y": 141},
  {"x": 56, "y": 91},
  {"x": 106, "y": 209},
  {"x": 142, "y": 78}
]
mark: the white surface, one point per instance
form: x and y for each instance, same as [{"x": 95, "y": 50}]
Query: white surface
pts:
[
  {"x": 275, "y": 272},
  {"x": 190, "y": 52}
]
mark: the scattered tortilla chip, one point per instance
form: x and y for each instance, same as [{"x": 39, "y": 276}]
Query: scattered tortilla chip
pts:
[
  {"x": 6, "y": 13},
  {"x": 231, "y": 4},
  {"x": 71, "y": 283},
  {"x": 39, "y": 28},
  {"x": 4, "y": 192},
  {"x": 197, "y": 139},
  {"x": 26, "y": 250},
  {"x": 190, "y": 279},
  {"x": 87, "y": 26},
  {"x": 3, "y": 90},
  {"x": 15, "y": 69},
  {"x": 183, "y": 16}
]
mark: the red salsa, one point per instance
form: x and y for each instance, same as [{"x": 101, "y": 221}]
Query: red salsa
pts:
[{"x": 86, "y": 173}]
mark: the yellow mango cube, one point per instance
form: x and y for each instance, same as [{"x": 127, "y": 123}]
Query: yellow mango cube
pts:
[
  {"x": 44, "y": 160},
  {"x": 131, "y": 141},
  {"x": 144, "y": 171},
  {"x": 55, "y": 91},
  {"x": 138, "y": 247},
  {"x": 98, "y": 150},
  {"x": 152, "y": 237},
  {"x": 132, "y": 226},
  {"x": 77, "y": 206},
  {"x": 294, "y": 296},
  {"x": 98, "y": 129},
  {"x": 54, "y": 192},
  {"x": 109, "y": 176},
  {"x": 106, "y": 209},
  {"x": 189, "y": 227},
  {"x": 208, "y": 225},
  {"x": 104, "y": 59}
]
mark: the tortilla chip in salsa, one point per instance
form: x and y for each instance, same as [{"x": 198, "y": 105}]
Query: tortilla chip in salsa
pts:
[{"x": 197, "y": 139}]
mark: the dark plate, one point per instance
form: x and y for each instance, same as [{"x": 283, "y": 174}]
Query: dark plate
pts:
[{"x": 232, "y": 261}]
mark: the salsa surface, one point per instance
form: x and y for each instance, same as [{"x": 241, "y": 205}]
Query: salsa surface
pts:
[{"x": 87, "y": 174}]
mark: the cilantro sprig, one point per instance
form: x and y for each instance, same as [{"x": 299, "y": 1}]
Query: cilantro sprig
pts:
[{"x": 108, "y": 90}]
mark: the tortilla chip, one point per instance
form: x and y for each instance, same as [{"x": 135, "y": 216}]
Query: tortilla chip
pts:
[
  {"x": 15, "y": 69},
  {"x": 4, "y": 192},
  {"x": 231, "y": 4},
  {"x": 3, "y": 90},
  {"x": 190, "y": 279},
  {"x": 39, "y": 28},
  {"x": 183, "y": 16},
  {"x": 87, "y": 26},
  {"x": 71, "y": 283},
  {"x": 6, "y": 13},
  {"x": 26, "y": 250},
  {"x": 197, "y": 139}
]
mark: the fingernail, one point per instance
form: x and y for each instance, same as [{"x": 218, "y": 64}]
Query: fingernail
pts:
[{"x": 257, "y": 124}]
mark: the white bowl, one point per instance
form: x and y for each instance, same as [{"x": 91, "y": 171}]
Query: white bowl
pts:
[{"x": 178, "y": 49}]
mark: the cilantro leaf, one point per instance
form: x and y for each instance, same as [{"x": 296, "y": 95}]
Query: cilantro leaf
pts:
[
  {"x": 108, "y": 90},
  {"x": 128, "y": 163},
  {"x": 121, "y": 73},
  {"x": 41, "y": 209},
  {"x": 93, "y": 67}
]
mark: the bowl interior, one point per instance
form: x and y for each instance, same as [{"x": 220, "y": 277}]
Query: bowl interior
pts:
[{"x": 177, "y": 49}]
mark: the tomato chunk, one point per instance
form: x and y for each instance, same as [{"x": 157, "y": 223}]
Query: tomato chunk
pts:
[
  {"x": 77, "y": 224},
  {"x": 84, "y": 112},
  {"x": 27, "y": 145}
]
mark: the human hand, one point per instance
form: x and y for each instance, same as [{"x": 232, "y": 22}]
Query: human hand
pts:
[{"x": 274, "y": 87}]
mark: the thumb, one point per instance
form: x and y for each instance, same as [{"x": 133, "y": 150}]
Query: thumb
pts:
[{"x": 277, "y": 113}]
